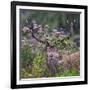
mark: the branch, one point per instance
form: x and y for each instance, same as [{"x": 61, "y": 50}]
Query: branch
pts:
[
  {"x": 38, "y": 39},
  {"x": 44, "y": 42}
]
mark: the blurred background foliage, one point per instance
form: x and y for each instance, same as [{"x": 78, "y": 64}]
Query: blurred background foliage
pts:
[{"x": 52, "y": 19}]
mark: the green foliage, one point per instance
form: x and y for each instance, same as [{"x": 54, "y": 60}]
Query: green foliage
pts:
[
  {"x": 69, "y": 73},
  {"x": 53, "y": 19},
  {"x": 25, "y": 73},
  {"x": 39, "y": 65},
  {"x": 26, "y": 56},
  {"x": 64, "y": 44}
]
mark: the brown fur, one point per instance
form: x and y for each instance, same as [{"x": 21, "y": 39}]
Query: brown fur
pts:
[{"x": 71, "y": 61}]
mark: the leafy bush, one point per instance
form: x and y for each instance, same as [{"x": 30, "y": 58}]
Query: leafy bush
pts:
[
  {"x": 39, "y": 65},
  {"x": 69, "y": 73},
  {"x": 64, "y": 44},
  {"x": 26, "y": 56}
]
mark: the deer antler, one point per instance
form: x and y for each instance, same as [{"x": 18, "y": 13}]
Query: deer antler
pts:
[
  {"x": 35, "y": 37},
  {"x": 41, "y": 41},
  {"x": 38, "y": 39}
]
